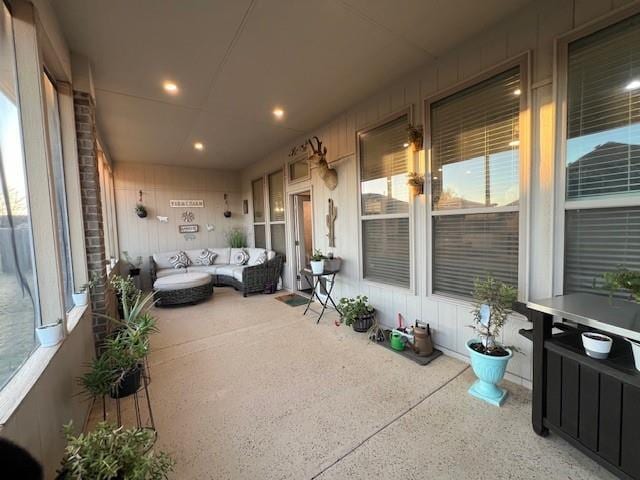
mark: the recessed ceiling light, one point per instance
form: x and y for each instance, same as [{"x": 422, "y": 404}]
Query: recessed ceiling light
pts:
[
  {"x": 514, "y": 143},
  {"x": 517, "y": 91},
  {"x": 633, "y": 85},
  {"x": 170, "y": 87},
  {"x": 278, "y": 112},
  {"x": 198, "y": 146}
]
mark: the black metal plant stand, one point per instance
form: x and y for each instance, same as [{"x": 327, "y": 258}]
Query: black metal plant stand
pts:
[{"x": 330, "y": 276}]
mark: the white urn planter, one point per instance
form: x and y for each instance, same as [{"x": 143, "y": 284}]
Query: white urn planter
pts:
[
  {"x": 635, "y": 347},
  {"x": 50, "y": 335},
  {"x": 317, "y": 267},
  {"x": 80, "y": 299}
]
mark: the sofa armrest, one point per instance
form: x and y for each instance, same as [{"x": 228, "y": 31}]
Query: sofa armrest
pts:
[
  {"x": 152, "y": 270},
  {"x": 257, "y": 276}
]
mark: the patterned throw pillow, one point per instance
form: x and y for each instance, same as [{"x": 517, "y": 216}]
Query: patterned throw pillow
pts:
[
  {"x": 180, "y": 260},
  {"x": 240, "y": 257},
  {"x": 206, "y": 257},
  {"x": 261, "y": 258}
]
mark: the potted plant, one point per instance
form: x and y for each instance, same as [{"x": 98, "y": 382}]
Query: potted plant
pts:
[
  {"x": 415, "y": 182},
  {"x": 317, "y": 262},
  {"x": 414, "y": 137},
  {"x": 493, "y": 300},
  {"x": 141, "y": 210},
  {"x": 628, "y": 280},
  {"x": 236, "y": 238},
  {"x": 134, "y": 264},
  {"x": 81, "y": 297},
  {"x": 125, "y": 289},
  {"x": 111, "y": 452},
  {"x": 356, "y": 312},
  {"x": 332, "y": 263},
  {"x": 51, "y": 334}
]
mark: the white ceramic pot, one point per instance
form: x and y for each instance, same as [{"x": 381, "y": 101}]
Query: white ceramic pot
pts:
[
  {"x": 635, "y": 347},
  {"x": 596, "y": 345},
  {"x": 50, "y": 335},
  {"x": 317, "y": 267},
  {"x": 80, "y": 299}
]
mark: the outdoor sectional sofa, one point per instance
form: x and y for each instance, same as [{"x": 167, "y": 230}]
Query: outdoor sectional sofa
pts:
[{"x": 251, "y": 277}]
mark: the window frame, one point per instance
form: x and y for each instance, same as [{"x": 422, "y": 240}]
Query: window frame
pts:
[
  {"x": 411, "y": 166},
  {"x": 267, "y": 222},
  {"x": 523, "y": 62},
  {"x": 304, "y": 155},
  {"x": 560, "y": 96}
]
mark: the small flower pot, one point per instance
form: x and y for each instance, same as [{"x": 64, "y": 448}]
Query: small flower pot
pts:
[
  {"x": 490, "y": 371},
  {"x": 80, "y": 299},
  {"x": 141, "y": 212},
  {"x": 596, "y": 345},
  {"x": 635, "y": 347},
  {"x": 129, "y": 384},
  {"x": 363, "y": 323},
  {"x": 317, "y": 267},
  {"x": 50, "y": 335}
]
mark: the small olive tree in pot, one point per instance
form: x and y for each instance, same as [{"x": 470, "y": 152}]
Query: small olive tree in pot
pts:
[
  {"x": 493, "y": 300},
  {"x": 357, "y": 312}
]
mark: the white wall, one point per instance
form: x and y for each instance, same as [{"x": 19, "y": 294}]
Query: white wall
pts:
[
  {"x": 159, "y": 184},
  {"x": 533, "y": 29}
]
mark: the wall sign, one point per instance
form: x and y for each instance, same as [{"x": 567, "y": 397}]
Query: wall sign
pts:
[
  {"x": 188, "y": 228},
  {"x": 186, "y": 203}
]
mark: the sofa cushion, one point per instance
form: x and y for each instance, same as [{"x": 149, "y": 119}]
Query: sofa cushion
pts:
[
  {"x": 180, "y": 282},
  {"x": 162, "y": 259},
  {"x": 226, "y": 270},
  {"x": 237, "y": 272},
  {"x": 210, "y": 269},
  {"x": 239, "y": 256},
  {"x": 223, "y": 256},
  {"x": 164, "y": 272}
]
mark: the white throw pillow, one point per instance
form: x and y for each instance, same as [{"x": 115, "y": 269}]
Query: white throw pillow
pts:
[
  {"x": 180, "y": 260},
  {"x": 206, "y": 257},
  {"x": 240, "y": 257},
  {"x": 261, "y": 259}
]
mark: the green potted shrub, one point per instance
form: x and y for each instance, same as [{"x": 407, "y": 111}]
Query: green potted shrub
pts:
[
  {"x": 111, "y": 452},
  {"x": 236, "y": 238},
  {"x": 317, "y": 262},
  {"x": 81, "y": 297},
  {"x": 126, "y": 292},
  {"x": 493, "y": 300},
  {"x": 356, "y": 312},
  {"x": 141, "y": 210}
]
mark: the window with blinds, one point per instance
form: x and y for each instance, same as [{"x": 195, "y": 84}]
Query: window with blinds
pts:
[
  {"x": 276, "y": 212},
  {"x": 475, "y": 170},
  {"x": 259, "y": 226},
  {"x": 384, "y": 164},
  {"x": 602, "y": 155}
]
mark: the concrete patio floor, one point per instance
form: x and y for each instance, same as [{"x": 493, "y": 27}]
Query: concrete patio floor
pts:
[{"x": 252, "y": 389}]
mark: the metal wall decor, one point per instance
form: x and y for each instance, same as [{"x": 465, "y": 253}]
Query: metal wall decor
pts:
[
  {"x": 331, "y": 223},
  {"x": 188, "y": 228},
  {"x": 188, "y": 216}
]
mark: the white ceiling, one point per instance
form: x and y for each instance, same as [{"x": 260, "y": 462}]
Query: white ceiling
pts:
[{"x": 235, "y": 60}]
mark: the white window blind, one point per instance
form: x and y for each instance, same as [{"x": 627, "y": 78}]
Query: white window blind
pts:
[
  {"x": 384, "y": 164},
  {"x": 603, "y": 155},
  {"x": 276, "y": 212},
  {"x": 475, "y": 162},
  {"x": 603, "y": 112}
]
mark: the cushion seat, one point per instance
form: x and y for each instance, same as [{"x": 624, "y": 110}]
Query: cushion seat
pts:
[
  {"x": 182, "y": 281},
  {"x": 165, "y": 272}
]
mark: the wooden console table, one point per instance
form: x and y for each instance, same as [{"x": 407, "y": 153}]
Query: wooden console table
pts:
[{"x": 593, "y": 404}]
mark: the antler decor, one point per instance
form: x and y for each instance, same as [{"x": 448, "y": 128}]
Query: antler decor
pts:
[
  {"x": 331, "y": 222},
  {"x": 328, "y": 174}
]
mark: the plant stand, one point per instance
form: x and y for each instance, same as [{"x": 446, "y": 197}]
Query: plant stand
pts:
[
  {"x": 314, "y": 292},
  {"x": 141, "y": 401}
]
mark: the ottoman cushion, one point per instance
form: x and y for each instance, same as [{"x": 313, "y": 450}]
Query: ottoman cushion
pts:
[{"x": 182, "y": 281}]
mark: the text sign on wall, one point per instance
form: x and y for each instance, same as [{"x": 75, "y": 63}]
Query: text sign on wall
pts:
[{"x": 186, "y": 203}]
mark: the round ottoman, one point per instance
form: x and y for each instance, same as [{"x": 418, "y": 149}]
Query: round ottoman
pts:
[{"x": 182, "y": 288}]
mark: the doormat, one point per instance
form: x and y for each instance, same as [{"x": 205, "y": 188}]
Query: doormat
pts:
[
  {"x": 411, "y": 355},
  {"x": 293, "y": 299}
]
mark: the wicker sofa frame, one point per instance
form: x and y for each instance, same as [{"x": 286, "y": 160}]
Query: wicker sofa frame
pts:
[{"x": 254, "y": 278}]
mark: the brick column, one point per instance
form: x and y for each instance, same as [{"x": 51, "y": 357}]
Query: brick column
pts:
[{"x": 84, "y": 107}]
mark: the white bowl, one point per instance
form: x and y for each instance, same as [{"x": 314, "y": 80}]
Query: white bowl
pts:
[{"x": 596, "y": 345}]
